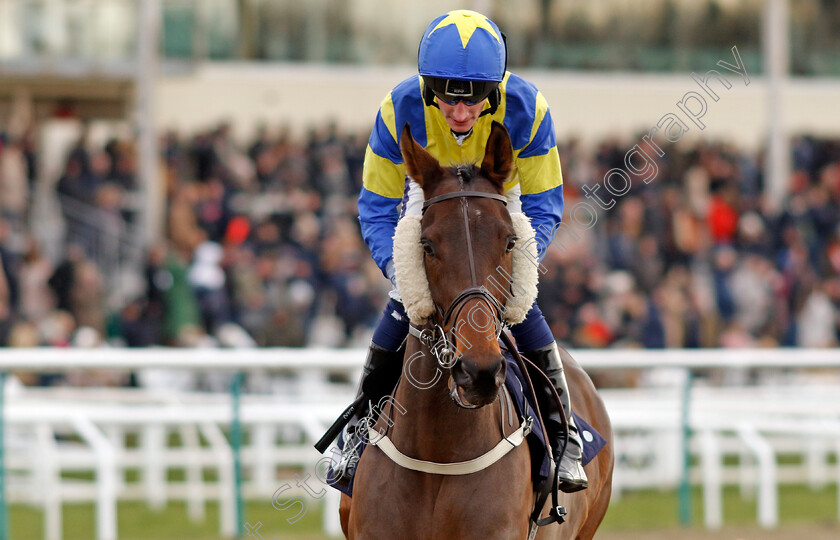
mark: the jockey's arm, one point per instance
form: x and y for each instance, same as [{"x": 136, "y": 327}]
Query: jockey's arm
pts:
[
  {"x": 540, "y": 191},
  {"x": 383, "y": 182}
]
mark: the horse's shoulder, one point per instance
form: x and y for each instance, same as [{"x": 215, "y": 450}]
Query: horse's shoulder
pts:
[{"x": 568, "y": 360}]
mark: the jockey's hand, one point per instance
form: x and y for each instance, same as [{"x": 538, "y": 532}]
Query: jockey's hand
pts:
[{"x": 391, "y": 273}]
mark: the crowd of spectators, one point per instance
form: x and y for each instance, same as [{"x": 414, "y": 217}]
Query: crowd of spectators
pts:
[
  {"x": 262, "y": 245},
  {"x": 699, "y": 257}
]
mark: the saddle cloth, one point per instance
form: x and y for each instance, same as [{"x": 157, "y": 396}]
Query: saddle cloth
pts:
[{"x": 593, "y": 442}]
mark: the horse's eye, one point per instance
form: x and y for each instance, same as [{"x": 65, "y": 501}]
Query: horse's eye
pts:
[
  {"x": 511, "y": 243},
  {"x": 428, "y": 249}
]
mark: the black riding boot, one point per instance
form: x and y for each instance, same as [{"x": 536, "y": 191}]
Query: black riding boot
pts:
[
  {"x": 571, "y": 474},
  {"x": 379, "y": 377}
]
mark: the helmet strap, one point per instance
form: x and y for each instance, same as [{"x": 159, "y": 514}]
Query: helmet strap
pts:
[
  {"x": 493, "y": 99},
  {"x": 429, "y": 96}
]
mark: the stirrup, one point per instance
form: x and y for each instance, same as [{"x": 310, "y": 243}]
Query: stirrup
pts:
[{"x": 570, "y": 475}]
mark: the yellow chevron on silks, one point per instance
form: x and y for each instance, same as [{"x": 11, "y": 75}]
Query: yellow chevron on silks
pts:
[
  {"x": 379, "y": 173},
  {"x": 386, "y": 109},
  {"x": 540, "y": 110},
  {"x": 467, "y": 23},
  {"x": 543, "y": 171}
]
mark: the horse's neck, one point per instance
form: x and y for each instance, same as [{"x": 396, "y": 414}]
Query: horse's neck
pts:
[{"x": 433, "y": 427}]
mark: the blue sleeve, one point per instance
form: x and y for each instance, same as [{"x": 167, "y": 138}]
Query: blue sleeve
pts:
[
  {"x": 545, "y": 210},
  {"x": 383, "y": 173},
  {"x": 378, "y": 216}
]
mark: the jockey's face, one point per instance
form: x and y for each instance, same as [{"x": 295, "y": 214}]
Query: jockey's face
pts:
[{"x": 460, "y": 117}]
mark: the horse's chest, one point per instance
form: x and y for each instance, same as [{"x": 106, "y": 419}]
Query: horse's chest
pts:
[{"x": 410, "y": 505}]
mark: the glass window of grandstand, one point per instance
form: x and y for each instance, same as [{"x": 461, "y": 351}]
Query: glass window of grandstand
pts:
[{"x": 601, "y": 35}]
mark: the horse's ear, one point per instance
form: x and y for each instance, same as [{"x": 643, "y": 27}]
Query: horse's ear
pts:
[
  {"x": 421, "y": 166},
  {"x": 498, "y": 156}
]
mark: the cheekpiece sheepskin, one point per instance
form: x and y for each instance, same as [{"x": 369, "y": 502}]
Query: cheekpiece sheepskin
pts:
[{"x": 413, "y": 285}]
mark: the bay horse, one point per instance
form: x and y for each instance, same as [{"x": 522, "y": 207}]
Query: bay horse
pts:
[{"x": 447, "y": 407}]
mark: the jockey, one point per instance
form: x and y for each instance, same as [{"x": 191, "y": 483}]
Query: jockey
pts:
[{"x": 462, "y": 87}]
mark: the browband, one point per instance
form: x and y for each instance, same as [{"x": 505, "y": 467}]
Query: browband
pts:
[{"x": 456, "y": 194}]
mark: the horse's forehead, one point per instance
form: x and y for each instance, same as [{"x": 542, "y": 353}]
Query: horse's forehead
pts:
[
  {"x": 449, "y": 183},
  {"x": 448, "y": 213},
  {"x": 443, "y": 214}
]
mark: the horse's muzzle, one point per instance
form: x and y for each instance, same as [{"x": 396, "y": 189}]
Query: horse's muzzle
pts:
[{"x": 472, "y": 385}]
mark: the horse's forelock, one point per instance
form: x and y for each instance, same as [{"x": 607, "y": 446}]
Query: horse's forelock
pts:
[
  {"x": 470, "y": 175},
  {"x": 468, "y": 172}
]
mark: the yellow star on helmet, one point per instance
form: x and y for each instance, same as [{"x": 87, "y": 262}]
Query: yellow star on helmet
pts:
[{"x": 467, "y": 22}]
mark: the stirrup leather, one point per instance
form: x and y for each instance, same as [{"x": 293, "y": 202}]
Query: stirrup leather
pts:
[{"x": 565, "y": 441}]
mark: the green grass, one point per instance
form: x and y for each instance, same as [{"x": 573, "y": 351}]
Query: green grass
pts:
[
  {"x": 138, "y": 522},
  {"x": 654, "y": 509},
  {"x": 636, "y": 511}
]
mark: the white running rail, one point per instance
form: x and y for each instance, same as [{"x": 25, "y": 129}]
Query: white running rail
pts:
[{"x": 795, "y": 412}]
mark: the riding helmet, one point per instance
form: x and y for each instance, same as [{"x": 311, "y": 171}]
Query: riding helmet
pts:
[{"x": 462, "y": 56}]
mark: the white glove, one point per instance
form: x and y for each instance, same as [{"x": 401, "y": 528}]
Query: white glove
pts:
[{"x": 391, "y": 273}]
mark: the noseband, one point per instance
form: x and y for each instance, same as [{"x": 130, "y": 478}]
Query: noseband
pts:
[{"x": 434, "y": 336}]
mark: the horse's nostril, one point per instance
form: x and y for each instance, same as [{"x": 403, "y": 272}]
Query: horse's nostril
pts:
[
  {"x": 463, "y": 372},
  {"x": 467, "y": 373},
  {"x": 502, "y": 371}
]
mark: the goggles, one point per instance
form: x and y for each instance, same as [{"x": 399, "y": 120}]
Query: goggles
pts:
[
  {"x": 455, "y": 101},
  {"x": 451, "y": 91}
]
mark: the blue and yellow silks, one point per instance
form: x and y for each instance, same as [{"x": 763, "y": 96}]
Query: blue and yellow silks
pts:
[{"x": 523, "y": 111}]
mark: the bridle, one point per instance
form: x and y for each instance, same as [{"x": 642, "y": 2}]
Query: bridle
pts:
[
  {"x": 441, "y": 342},
  {"x": 434, "y": 334}
]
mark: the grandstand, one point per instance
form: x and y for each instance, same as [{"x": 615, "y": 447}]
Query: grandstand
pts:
[{"x": 184, "y": 174}]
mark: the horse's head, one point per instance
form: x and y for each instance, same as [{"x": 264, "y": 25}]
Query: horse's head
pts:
[{"x": 467, "y": 238}]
